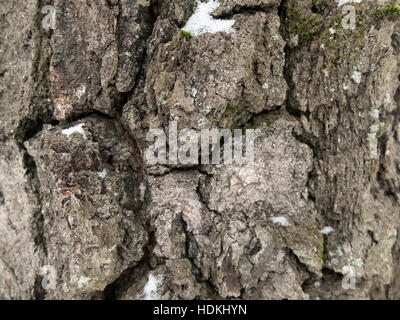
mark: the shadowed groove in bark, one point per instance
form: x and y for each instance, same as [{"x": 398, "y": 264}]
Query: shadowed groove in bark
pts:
[{"x": 40, "y": 111}]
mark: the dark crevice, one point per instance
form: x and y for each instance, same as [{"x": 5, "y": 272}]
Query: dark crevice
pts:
[
  {"x": 245, "y": 10},
  {"x": 328, "y": 282},
  {"x": 295, "y": 258},
  {"x": 128, "y": 277},
  {"x": 40, "y": 105},
  {"x": 302, "y": 136},
  {"x": 38, "y": 292},
  {"x": 82, "y": 116},
  {"x": 171, "y": 170},
  {"x": 302, "y": 267},
  {"x": 372, "y": 237},
  {"x": 305, "y": 139},
  {"x": 212, "y": 290},
  {"x": 37, "y": 223},
  {"x": 34, "y": 187},
  {"x": 126, "y": 96},
  {"x": 204, "y": 201},
  {"x": 40, "y": 112}
]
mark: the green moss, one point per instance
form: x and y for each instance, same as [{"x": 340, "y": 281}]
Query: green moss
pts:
[
  {"x": 319, "y": 240},
  {"x": 268, "y": 119},
  {"x": 306, "y": 25},
  {"x": 235, "y": 116},
  {"x": 320, "y": 5},
  {"x": 390, "y": 11},
  {"x": 265, "y": 120},
  {"x": 230, "y": 112},
  {"x": 344, "y": 46},
  {"x": 311, "y": 152},
  {"x": 321, "y": 250},
  {"x": 186, "y": 34}
]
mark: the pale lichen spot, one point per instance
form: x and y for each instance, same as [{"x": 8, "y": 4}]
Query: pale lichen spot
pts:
[
  {"x": 80, "y": 92},
  {"x": 374, "y": 114},
  {"x": 388, "y": 99}
]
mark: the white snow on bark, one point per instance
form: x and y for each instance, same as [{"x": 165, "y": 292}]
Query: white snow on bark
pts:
[
  {"x": 142, "y": 189},
  {"x": 150, "y": 289},
  {"x": 327, "y": 230},
  {"x": 342, "y": 2},
  {"x": 357, "y": 77},
  {"x": 202, "y": 21},
  {"x": 75, "y": 129},
  {"x": 102, "y": 174},
  {"x": 283, "y": 221}
]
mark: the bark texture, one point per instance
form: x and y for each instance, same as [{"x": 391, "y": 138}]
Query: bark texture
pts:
[{"x": 324, "y": 102}]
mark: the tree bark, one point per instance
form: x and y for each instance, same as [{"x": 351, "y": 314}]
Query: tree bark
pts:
[{"x": 83, "y": 215}]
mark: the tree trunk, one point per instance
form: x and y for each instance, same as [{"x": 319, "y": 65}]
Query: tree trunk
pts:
[{"x": 83, "y": 214}]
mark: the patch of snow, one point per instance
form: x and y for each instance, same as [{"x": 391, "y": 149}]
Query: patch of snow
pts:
[
  {"x": 142, "y": 189},
  {"x": 202, "y": 21},
  {"x": 150, "y": 289},
  {"x": 102, "y": 174},
  {"x": 327, "y": 230},
  {"x": 342, "y": 2},
  {"x": 283, "y": 221},
  {"x": 75, "y": 129},
  {"x": 356, "y": 77}
]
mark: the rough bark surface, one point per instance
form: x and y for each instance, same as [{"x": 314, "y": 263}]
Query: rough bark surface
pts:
[{"x": 324, "y": 103}]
